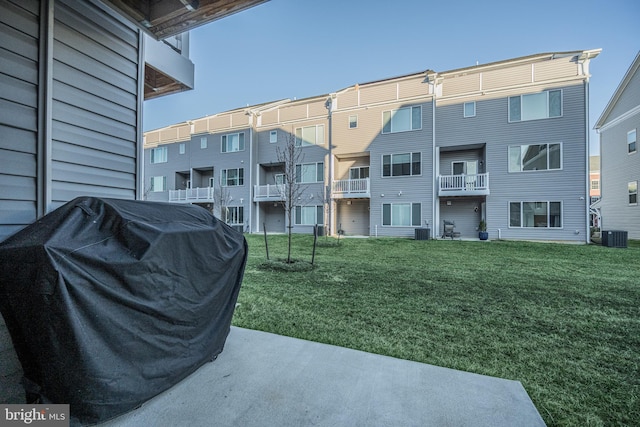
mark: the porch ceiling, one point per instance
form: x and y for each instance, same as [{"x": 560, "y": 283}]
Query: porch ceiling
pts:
[
  {"x": 164, "y": 18},
  {"x": 462, "y": 147}
]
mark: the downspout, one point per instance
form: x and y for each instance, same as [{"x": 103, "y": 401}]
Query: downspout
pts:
[
  {"x": 588, "y": 166},
  {"x": 45, "y": 109},
  {"x": 139, "y": 138},
  {"x": 250, "y": 199},
  {"x": 329, "y": 106}
]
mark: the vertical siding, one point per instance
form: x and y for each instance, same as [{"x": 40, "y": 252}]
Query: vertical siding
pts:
[
  {"x": 19, "y": 38},
  {"x": 95, "y": 89}
]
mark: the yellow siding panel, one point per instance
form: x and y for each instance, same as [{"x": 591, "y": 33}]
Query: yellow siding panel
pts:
[
  {"x": 200, "y": 125},
  {"x": 239, "y": 119},
  {"x": 465, "y": 83},
  {"x": 219, "y": 122},
  {"x": 554, "y": 69},
  {"x": 348, "y": 99},
  {"x": 317, "y": 108},
  {"x": 295, "y": 112},
  {"x": 414, "y": 87}
]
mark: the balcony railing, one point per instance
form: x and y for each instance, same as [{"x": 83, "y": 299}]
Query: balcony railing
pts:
[
  {"x": 351, "y": 188},
  {"x": 192, "y": 195},
  {"x": 464, "y": 185},
  {"x": 269, "y": 192}
]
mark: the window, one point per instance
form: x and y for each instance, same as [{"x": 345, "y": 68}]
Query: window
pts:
[
  {"x": 633, "y": 192},
  {"x": 403, "y": 119},
  {"x": 232, "y": 177},
  {"x": 203, "y": 142},
  {"x": 535, "y": 214},
  {"x": 309, "y": 215},
  {"x": 401, "y": 164},
  {"x": 535, "y": 157},
  {"x": 401, "y": 214},
  {"x": 310, "y": 135},
  {"x": 159, "y": 155},
  {"x": 273, "y": 136},
  {"x": 310, "y": 172},
  {"x": 470, "y": 109},
  {"x": 233, "y": 142},
  {"x": 158, "y": 183},
  {"x": 279, "y": 178},
  {"x": 595, "y": 184},
  {"x": 353, "y": 122},
  {"x": 181, "y": 148},
  {"x": 631, "y": 141},
  {"x": 359, "y": 173},
  {"x": 535, "y": 106},
  {"x": 234, "y": 215}
]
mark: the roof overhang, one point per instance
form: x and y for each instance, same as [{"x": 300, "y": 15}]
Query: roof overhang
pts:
[{"x": 164, "y": 18}]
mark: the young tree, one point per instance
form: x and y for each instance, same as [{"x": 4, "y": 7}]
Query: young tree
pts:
[
  {"x": 292, "y": 157},
  {"x": 222, "y": 198}
]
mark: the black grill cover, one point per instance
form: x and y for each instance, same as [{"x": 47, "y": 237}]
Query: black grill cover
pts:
[{"x": 110, "y": 302}]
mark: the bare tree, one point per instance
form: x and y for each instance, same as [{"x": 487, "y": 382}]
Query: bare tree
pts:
[
  {"x": 222, "y": 198},
  {"x": 291, "y": 156}
]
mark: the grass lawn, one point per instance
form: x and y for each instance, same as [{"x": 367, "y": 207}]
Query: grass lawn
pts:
[{"x": 562, "y": 319}]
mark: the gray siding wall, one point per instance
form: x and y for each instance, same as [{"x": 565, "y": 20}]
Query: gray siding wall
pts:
[
  {"x": 491, "y": 126},
  {"x": 462, "y": 212},
  {"x": 618, "y": 168},
  {"x": 415, "y": 189},
  {"x": 95, "y": 104},
  {"x": 629, "y": 98},
  {"x": 19, "y": 39}
]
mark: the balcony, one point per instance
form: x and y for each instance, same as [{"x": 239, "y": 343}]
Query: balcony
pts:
[
  {"x": 268, "y": 193},
  {"x": 463, "y": 185},
  {"x": 191, "y": 195},
  {"x": 351, "y": 188}
]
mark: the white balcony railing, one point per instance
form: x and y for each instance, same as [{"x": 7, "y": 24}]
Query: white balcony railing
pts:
[
  {"x": 191, "y": 194},
  {"x": 269, "y": 192},
  {"x": 463, "y": 185},
  {"x": 351, "y": 188}
]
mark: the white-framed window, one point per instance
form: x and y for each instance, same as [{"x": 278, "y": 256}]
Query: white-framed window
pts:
[
  {"x": 535, "y": 214},
  {"x": 273, "y": 136},
  {"x": 535, "y": 157},
  {"x": 181, "y": 148},
  {"x": 232, "y": 177},
  {"x": 402, "y": 119},
  {"x": 353, "y": 122},
  {"x": 405, "y": 164},
  {"x": 309, "y": 135},
  {"x": 464, "y": 167},
  {"x": 234, "y": 215},
  {"x": 232, "y": 142},
  {"x": 279, "y": 178},
  {"x": 631, "y": 142},
  {"x": 159, "y": 155},
  {"x": 401, "y": 214},
  {"x": 203, "y": 142},
  {"x": 633, "y": 192},
  {"x": 359, "y": 172},
  {"x": 310, "y": 172},
  {"x": 595, "y": 184},
  {"x": 470, "y": 109},
  {"x": 535, "y": 106},
  {"x": 309, "y": 215},
  {"x": 158, "y": 183}
]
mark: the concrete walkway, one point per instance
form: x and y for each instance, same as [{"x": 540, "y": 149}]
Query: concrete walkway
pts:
[{"x": 261, "y": 379}]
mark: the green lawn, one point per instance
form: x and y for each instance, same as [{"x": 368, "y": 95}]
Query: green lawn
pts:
[{"x": 562, "y": 319}]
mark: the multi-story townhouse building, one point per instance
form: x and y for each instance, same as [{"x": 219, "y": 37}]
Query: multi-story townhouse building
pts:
[
  {"x": 620, "y": 162},
  {"x": 384, "y": 158}
]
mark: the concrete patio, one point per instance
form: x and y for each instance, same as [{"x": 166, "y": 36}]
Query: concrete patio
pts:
[{"x": 262, "y": 379}]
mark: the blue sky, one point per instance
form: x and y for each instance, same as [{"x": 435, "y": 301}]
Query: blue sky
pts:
[{"x": 301, "y": 48}]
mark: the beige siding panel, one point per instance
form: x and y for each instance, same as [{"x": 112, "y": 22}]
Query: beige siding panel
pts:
[
  {"x": 295, "y": 112},
  {"x": 554, "y": 69},
  {"x": 456, "y": 85},
  {"x": 152, "y": 137},
  {"x": 414, "y": 87},
  {"x": 379, "y": 93},
  {"x": 358, "y": 140},
  {"x": 348, "y": 99},
  {"x": 511, "y": 76},
  {"x": 269, "y": 117},
  {"x": 184, "y": 132},
  {"x": 239, "y": 118},
  {"x": 201, "y": 125},
  {"x": 317, "y": 108},
  {"x": 219, "y": 122},
  {"x": 170, "y": 134}
]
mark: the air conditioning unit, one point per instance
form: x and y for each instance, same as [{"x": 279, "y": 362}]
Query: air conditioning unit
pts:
[{"x": 614, "y": 239}]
